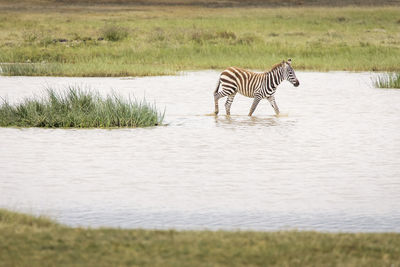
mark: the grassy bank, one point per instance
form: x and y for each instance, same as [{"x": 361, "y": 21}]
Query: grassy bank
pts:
[
  {"x": 30, "y": 241},
  {"x": 137, "y": 40},
  {"x": 78, "y": 109}
]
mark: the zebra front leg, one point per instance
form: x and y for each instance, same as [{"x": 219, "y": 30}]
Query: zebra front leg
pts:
[
  {"x": 271, "y": 100},
  {"x": 228, "y": 103},
  {"x": 254, "y": 105}
]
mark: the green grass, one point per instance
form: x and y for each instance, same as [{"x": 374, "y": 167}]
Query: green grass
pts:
[
  {"x": 140, "y": 40},
  {"x": 30, "y": 69},
  {"x": 31, "y": 241},
  {"x": 79, "y": 109},
  {"x": 391, "y": 80},
  {"x": 114, "y": 33}
]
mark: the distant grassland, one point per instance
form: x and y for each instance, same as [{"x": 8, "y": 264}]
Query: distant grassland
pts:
[
  {"x": 30, "y": 241},
  {"x": 138, "y": 40}
]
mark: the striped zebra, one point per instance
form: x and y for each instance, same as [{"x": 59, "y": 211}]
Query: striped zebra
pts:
[{"x": 254, "y": 85}]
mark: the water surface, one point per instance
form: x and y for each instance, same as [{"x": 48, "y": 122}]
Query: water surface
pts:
[{"x": 331, "y": 162}]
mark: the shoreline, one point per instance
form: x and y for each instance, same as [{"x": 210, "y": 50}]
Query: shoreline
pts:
[{"x": 44, "y": 240}]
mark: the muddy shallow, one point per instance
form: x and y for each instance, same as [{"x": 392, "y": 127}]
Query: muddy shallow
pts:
[{"x": 330, "y": 163}]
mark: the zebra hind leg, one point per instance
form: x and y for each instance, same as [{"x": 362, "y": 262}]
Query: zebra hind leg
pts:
[
  {"x": 217, "y": 96},
  {"x": 228, "y": 103}
]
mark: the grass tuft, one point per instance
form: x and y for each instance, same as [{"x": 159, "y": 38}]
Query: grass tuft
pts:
[
  {"x": 114, "y": 33},
  {"x": 388, "y": 81},
  {"x": 78, "y": 108}
]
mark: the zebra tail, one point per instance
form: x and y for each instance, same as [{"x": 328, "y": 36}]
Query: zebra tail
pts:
[{"x": 216, "y": 89}]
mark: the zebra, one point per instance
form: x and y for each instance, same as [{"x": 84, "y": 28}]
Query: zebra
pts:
[{"x": 253, "y": 85}]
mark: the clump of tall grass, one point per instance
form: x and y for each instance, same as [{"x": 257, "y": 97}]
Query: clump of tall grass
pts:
[
  {"x": 202, "y": 37},
  {"x": 388, "y": 80},
  {"x": 79, "y": 109},
  {"x": 114, "y": 33}
]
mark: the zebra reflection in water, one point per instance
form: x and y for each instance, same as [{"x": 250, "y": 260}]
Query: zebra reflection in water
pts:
[{"x": 252, "y": 84}]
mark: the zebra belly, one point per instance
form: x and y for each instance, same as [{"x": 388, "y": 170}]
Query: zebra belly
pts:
[
  {"x": 246, "y": 93},
  {"x": 230, "y": 89}
]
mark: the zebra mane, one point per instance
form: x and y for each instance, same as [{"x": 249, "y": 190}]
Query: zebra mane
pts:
[{"x": 274, "y": 67}]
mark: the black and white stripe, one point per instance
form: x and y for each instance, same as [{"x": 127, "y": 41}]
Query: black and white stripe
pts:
[{"x": 252, "y": 84}]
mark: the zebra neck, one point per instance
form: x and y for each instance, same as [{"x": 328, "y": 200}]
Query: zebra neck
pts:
[{"x": 273, "y": 78}]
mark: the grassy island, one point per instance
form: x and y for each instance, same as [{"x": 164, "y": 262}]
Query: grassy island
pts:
[{"x": 76, "y": 108}]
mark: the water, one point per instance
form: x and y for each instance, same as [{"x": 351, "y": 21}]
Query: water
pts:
[{"x": 331, "y": 162}]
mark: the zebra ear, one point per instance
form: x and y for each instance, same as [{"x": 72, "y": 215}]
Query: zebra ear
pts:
[{"x": 289, "y": 61}]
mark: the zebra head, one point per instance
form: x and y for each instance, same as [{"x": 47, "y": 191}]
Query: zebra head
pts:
[{"x": 289, "y": 73}]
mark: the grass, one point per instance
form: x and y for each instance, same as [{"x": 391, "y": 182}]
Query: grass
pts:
[
  {"x": 79, "y": 109},
  {"x": 71, "y": 39},
  {"x": 29, "y": 69},
  {"x": 30, "y": 241},
  {"x": 388, "y": 81},
  {"x": 114, "y": 33}
]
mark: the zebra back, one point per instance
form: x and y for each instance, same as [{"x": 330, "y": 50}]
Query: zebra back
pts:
[{"x": 248, "y": 83}]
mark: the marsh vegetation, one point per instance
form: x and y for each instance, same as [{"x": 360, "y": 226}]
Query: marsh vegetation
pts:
[
  {"x": 79, "y": 108},
  {"x": 389, "y": 80}
]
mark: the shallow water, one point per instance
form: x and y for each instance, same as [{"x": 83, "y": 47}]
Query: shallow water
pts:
[{"x": 330, "y": 163}]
